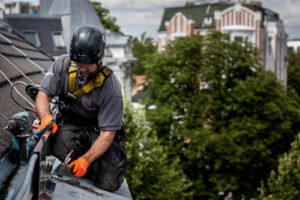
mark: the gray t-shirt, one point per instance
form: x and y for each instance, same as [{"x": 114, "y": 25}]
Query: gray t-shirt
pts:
[{"x": 103, "y": 105}]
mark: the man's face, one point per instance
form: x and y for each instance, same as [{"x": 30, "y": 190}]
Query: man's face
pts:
[{"x": 87, "y": 71}]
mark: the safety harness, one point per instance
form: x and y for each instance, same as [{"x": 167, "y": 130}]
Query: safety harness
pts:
[{"x": 95, "y": 83}]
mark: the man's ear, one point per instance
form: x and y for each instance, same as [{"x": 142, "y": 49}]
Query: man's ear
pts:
[{"x": 103, "y": 55}]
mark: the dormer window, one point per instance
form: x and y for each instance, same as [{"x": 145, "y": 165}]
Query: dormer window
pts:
[
  {"x": 32, "y": 36},
  {"x": 207, "y": 21},
  {"x": 58, "y": 39}
]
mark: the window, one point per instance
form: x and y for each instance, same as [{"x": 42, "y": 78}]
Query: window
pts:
[
  {"x": 58, "y": 40},
  {"x": 270, "y": 45},
  {"x": 32, "y": 37},
  {"x": 238, "y": 38},
  {"x": 290, "y": 50}
]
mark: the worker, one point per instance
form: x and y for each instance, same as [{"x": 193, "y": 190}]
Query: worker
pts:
[{"x": 93, "y": 117}]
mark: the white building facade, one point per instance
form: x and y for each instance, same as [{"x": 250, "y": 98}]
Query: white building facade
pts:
[
  {"x": 293, "y": 46},
  {"x": 250, "y": 22}
]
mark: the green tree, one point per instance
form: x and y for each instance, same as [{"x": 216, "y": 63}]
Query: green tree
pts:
[
  {"x": 262, "y": 124},
  {"x": 142, "y": 48},
  {"x": 107, "y": 21},
  {"x": 285, "y": 183},
  {"x": 150, "y": 173},
  {"x": 218, "y": 110},
  {"x": 294, "y": 71}
]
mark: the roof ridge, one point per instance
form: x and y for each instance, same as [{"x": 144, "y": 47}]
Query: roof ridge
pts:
[{"x": 199, "y": 5}]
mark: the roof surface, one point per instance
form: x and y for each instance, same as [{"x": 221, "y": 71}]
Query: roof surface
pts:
[
  {"x": 44, "y": 27},
  {"x": 69, "y": 187},
  {"x": 19, "y": 61},
  {"x": 74, "y": 14},
  {"x": 196, "y": 13},
  {"x": 81, "y": 12}
]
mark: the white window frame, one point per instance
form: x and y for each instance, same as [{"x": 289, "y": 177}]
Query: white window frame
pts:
[{"x": 62, "y": 37}]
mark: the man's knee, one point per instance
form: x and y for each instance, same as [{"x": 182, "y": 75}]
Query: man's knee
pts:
[
  {"x": 108, "y": 172},
  {"x": 110, "y": 182},
  {"x": 67, "y": 140}
]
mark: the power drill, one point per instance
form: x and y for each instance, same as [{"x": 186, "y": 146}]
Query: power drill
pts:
[{"x": 19, "y": 126}]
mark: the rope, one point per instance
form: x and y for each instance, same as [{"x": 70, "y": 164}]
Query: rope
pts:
[
  {"x": 17, "y": 91},
  {"x": 12, "y": 64}
]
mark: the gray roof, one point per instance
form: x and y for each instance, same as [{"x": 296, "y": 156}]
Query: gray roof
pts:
[
  {"x": 81, "y": 13},
  {"x": 19, "y": 61},
  {"x": 44, "y": 6},
  {"x": 44, "y": 27},
  {"x": 59, "y": 7},
  {"x": 70, "y": 187}
]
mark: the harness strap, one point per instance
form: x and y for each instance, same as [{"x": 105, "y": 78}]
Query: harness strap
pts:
[
  {"x": 95, "y": 83},
  {"x": 72, "y": 76}
]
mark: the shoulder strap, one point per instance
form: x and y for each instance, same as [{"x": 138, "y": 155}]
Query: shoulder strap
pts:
[{"x": 72, "y": 76}]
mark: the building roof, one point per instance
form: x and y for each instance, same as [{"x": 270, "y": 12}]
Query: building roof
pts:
[
  {"x": 194, "y": 12},
  {"x": 81, "y": 13},
  {"x": 20, "y": 61},
  {"x": 59, "y": 7},
  {"x": 44, "y": 26},
  {"x": 44, "y": 6},
  {"x": 199, "y": 12}
]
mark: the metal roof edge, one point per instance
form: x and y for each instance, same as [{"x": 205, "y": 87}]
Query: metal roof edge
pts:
[{"x": 31, "y": 16}]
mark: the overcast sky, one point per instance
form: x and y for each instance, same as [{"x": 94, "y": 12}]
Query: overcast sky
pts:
[{"x": 138, "y": 16}]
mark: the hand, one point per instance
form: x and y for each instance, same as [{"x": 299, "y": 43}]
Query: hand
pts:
[
  {"x": 45, "y": 121},
  {"x": 79, "y": 167}
]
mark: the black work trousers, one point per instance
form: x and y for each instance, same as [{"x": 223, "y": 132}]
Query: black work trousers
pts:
[{"x": 108, "y": 171}]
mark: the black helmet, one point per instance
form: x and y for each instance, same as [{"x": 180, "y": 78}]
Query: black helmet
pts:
[{"x": 87, "y": 45}]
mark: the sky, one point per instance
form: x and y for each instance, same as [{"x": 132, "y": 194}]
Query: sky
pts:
[{"x": 138, "y": 16}]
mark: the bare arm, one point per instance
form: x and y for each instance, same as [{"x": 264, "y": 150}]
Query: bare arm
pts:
[
  {"x": 100, "y": 146},
  {"x": 42, "y": 104}
]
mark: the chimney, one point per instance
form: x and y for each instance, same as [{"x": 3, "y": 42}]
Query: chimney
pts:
[
  {"x": 189, "y": 4},
  {"x": 256, "y": 3}
]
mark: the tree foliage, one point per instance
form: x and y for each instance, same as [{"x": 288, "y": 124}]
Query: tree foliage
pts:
[
  {"x": 150, "y": 173},
  {"x": 218, "y": 110},
  {"x": 285, "y": 184},
  {"x": 142, "y": 47},
  {"x": 294, "y": 71},
  {"x": 107, "y": 21}
]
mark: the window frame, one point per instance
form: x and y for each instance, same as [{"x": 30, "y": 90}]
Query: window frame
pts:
[
  {"x": 36, "y": 36},
  {"x": 62, "y": 37}
]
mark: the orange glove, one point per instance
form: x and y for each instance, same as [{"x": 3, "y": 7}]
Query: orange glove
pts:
[
  {"x": 45, "y": 121},
  {"x": 79, "y": 167}
]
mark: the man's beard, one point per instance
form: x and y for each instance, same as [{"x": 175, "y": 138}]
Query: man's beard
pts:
[{"x": 87, "y": 75}]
